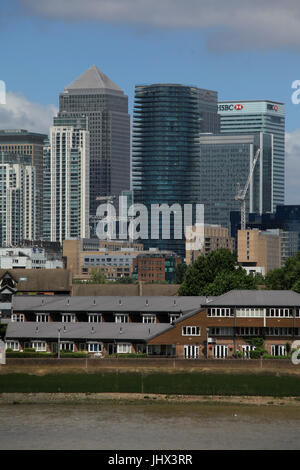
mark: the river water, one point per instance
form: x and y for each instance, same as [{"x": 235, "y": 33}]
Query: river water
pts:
[{"x": 148, "y": 426}]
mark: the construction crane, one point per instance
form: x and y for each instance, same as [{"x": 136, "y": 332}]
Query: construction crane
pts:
[{"x": 241, "y": 196}]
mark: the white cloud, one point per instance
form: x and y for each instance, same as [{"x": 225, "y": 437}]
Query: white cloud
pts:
[
  {"x": 233, "y": 24},
  {"x": 20, "y": 113},
  {"x": 292, "y": 147}
]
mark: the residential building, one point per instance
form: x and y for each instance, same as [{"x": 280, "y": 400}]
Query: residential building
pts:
[
  {"x": 258, "y": 248},
  {"x": 27, "y": 258},
  {"x": 67, "y": 180},
  {"x": 23, "y": 142},
  {"x": 167, "y": 121},
  {"x": 105, "y": 106},
  {"x": 184, "y": 327},
  {"x": 155, "y": 266},
  {"x": 18, "y": 199},
  {"x": 202, "y": 239},
  {"x": 265, "y": 116},
  {"x": 223, "y": 169}
]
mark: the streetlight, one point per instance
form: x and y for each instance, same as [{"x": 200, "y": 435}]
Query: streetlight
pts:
[
  {"x": 207, "y": 331},
  {"x": 58, "y": 344}
]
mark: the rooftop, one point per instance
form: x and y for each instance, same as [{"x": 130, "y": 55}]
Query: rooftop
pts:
[{"x": 93, "y": 78}]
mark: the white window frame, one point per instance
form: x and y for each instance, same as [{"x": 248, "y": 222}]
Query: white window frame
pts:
[
  {"x": 121, "y": 318},
  {"x": 95, "y": 347},
  {"x": 68, "y": 318},
  {"x": 12, "y": 344},
  {"x": 42, "y": 317},
  {"x": 17, "y": 317},
  {"x": 40, "y": 345},
  {"x": 220, "y": 351},
  {"x": 281, "y": 350},
  {"x": 149, "y": 318},
  {"x": 66, "y": 346},
  {"x": 191, "y": 351},
  {"x": 191, "y": 330},
  {"x": 124, "y": 348},
  {"x": 95, "y": 318}
]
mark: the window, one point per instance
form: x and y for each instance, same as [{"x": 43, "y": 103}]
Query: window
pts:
[
  {"x": 246, "y": 349},
  {"x": 44, "y": 318},
  {"x": 224, "y": 331},
  {"x": 121, "y": 318},
  {"x": 94, "y": 318},
  {"x": 14, "y": 345},
  {"x": 248, "y": 331},
  {"x": 220, "y": 351},
  {"x": 149, "y": 319},
  {"x": 191, "y": 331},
  {"x": 95, "y": 347},
  {"x": 66, "y": 346},
  {"x": 279, "y": 312},
  {"x": 191, "y": 351},
  {"x": 173, "y": 317},
  {"x": 123, "y": 348},
  {"x": 17, "y": 317},
  {"x": 278, "y": 350},
  {"x": 38, "y": 345},
  {"x": 219, "y": 312},
  {"x": 68, "y": 318},
  {"x": 250, "y": 312}
]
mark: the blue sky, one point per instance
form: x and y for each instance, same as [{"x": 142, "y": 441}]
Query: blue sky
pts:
[{"x": 46, "y": 45}]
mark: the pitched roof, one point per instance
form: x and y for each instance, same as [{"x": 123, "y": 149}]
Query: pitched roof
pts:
[
  {"x": 93, "y": 78},
  {"x": 40, "y": 280},
  {"x": 66, "y": 303},
  {"x": 252, "y": 298},
  {"x": 85, "y": 331}
]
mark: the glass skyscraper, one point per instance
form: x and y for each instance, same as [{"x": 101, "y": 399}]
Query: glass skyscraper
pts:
[
  {"x": 167, "y": 121},
  {"x": 105, "y": 105},
  {"x": 260, "y": 116},
  {"x": 223, "y": 169}
]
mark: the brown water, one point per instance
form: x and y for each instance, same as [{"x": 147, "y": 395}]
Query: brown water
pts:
[{"x": 148, "y": 426}]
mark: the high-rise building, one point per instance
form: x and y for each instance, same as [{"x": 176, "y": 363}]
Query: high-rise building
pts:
[
  {"x": 18, "y": 199},
  {"x": 260, "y": 116},
  {"x": 21, "y": 141},
  {"x": 105, "y": 105},
  {"x": 223, "y": 169},
  {"x": 167, "y": 121},
  {"x": 259, "y": 249},
  {"x": 66, "y": 180}
]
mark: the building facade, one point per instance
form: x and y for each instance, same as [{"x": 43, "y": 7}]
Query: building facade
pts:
[
  {"x": 205, "y": 239},
  {"x": 223, "y": 169},
  {"x": 30, "y": 144},
  {"x": 167, "y": 121},
  {"x": 260, "y": 116},
  {"x": 67, "y": 180},
  {"x": 18, "y": 199},
  {"x": 105, "y": 106},
  {"x": 258, "y": 248}
]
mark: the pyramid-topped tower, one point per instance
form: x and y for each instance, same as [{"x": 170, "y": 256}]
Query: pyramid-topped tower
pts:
[{"x": 93, "y": 79}]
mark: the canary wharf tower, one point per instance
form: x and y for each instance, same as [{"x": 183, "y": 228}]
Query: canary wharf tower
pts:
[{"x": 96, "y": 97}]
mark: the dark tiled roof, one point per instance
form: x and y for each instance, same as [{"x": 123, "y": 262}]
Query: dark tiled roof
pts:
[
  {"x": 41, "y": 280},
  {"x": 62, "y": 303},
  {"x": 85, "y": 331},
  {"x": 253, "y": 298}
]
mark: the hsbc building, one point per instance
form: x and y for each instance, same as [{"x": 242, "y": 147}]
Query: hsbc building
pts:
[{"x": 259, "y": 116}]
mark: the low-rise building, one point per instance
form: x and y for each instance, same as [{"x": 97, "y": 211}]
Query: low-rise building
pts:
[
  {"x": 202, "y": 239},
  {"x": 27, "y": 258}
]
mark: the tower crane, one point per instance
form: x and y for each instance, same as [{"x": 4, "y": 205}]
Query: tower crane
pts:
[{"x": 241, "y": 196}]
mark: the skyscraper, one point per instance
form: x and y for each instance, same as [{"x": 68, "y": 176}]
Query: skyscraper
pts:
[
  {"x": 18, "y": 199},
  {"x": 21, "y": 141},
  {"x": 97, "y": 97},
  {"x": 224, "y": 165},
  {"x": 66, "y": 180},
  {"x": 167, "y": 121},
  {"x": 260, "y": 116}
]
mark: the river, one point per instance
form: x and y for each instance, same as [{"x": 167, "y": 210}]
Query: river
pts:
[{"x": 148, "y": 426}]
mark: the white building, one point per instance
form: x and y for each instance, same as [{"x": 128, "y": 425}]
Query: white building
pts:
[
  {"x": 27, "y": 258},
  {"x": 18, "y": 201}
]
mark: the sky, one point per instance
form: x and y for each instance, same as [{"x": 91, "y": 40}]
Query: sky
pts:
[{"x": 244, "y": 50}]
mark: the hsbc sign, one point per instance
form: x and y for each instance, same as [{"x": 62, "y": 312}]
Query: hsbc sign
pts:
[{"x": 230, "y": 107}]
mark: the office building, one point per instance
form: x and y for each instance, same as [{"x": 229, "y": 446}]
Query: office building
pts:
[
  {"x": 18, "y": 199},
  {"x": 167, "y": 121},
  {"x": 223, "y": 169},
  {"x": 105, "y": 106},
  {"x": 258, "y": 248},
  {"x": 21, "y": 141},
  {"x": 206, "y": 239},
  {"x": 67, "y": 180},
  {"x": 260, "y": 116}
]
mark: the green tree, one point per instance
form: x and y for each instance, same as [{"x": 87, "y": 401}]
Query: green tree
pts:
[
  {"x": 287, "y": 277},
  {"x": 215, "y": 274},
  {"x": 180, "y": 271},
  {"x": 98, "y": 277}
]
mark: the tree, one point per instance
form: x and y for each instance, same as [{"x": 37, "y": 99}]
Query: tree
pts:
[
  {"x": 98, "y": 277},
  {"x": 180, "y": 271},
  {"x": 287, "y": 277},
  {"x": 215, "y": 274}
]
